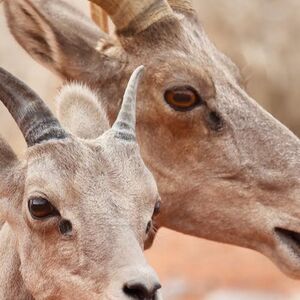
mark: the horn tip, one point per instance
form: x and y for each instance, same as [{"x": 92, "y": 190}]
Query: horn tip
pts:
[
  {"x": 136, "y": 74},
  {"x": 139, "y": 70}
]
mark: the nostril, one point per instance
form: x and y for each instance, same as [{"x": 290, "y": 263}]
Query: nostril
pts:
[{"x": 140, "y": 291}]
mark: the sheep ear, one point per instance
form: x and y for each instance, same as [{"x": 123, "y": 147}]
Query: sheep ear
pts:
[
  {"x": 80, "y": 111},
  {"x": 63, "y": 39}
]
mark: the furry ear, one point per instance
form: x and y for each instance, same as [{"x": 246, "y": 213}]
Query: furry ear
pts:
[
  {"x": 80, "y": 111},
  {"x": 63, "y": 39}
]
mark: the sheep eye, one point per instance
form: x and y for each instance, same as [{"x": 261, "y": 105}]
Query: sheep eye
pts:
[
  {"x": 157, "y": 208},
  {"x": 41, "y": 208},
  {"x": 182, "y": 98}
]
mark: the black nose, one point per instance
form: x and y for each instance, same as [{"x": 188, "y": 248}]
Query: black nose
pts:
[{"x": 139, "y": 290}]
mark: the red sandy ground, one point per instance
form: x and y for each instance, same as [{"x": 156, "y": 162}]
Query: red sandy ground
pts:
[{"x": 191, "y": 268}]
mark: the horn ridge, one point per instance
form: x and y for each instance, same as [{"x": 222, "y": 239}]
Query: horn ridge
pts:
[
  {"x": 135, "y": 16},
  {"x": 125, "y": 123},
  {"x": 31, "y": 114},
  {"x": 184, "y": 6}
]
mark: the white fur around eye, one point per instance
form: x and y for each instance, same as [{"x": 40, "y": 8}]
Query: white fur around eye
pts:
[{"x": 80, "y": 111}]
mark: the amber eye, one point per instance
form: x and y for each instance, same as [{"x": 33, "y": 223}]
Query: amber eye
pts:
[
  {"x": 182, "y": 98},
  {"x": 157, "y": 208},
  {"x": 41, "y": 208}
]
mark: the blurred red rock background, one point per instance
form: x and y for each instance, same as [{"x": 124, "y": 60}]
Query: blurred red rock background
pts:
[{"x": 262, "y": 37}]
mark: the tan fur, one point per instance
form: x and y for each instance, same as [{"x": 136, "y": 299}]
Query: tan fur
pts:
[
  {"x": 103, "y": 188},
  {"x": 234, "y": 185}
]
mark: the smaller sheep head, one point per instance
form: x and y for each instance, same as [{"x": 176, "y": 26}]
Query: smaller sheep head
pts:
[{"x": 80, "y": 209}]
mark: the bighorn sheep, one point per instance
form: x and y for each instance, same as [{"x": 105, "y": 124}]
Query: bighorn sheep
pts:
[
  {"x": 77, "y": 211},
  {"x": 226, "y": 169}
]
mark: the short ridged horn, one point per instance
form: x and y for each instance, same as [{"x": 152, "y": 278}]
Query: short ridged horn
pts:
[
  {"x": 134, "y": 16},
  {"x": 32, "y": 116},
  {"x": 124, "y": 125}
]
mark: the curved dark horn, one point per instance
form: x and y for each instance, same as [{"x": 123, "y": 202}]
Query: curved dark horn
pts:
[
  {"x": 31, "y": 114},
  {"x": 124, "y": 125}
]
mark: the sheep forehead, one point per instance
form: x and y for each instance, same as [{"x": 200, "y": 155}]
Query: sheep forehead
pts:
[
  {"x": 191, "y": 47},
  {"x": 68, "y": 171}
]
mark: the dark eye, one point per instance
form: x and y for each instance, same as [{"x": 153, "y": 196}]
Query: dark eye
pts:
[
  {"x": 182, "y": 98},
  {"x": 41, "y": 208},
  {"x": 157, "y": 208}
]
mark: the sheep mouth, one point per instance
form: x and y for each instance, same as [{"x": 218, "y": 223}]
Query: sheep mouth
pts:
[{"x": 289, "y": 237}]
